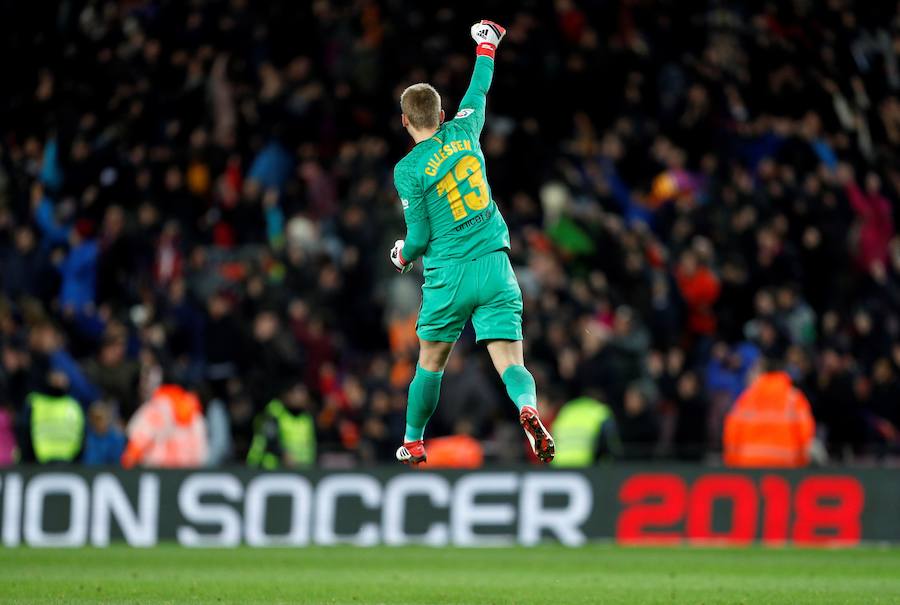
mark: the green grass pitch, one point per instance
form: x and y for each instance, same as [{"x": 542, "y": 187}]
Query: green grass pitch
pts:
[{"x": 545, "y": 575}]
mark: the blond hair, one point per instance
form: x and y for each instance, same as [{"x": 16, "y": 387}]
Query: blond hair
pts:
[{"x": 421, "y": 104}]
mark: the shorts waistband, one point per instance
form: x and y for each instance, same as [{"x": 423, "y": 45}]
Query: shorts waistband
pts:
[{"x": 462, "y": 261}]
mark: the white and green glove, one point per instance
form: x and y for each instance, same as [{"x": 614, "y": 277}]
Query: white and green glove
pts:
[{"x": 403, "y": 266}]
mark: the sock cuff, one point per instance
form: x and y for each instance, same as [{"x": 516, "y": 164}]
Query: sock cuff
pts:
[
  {"x": 516, "y": 372},
  {"x": 428, "y": 373},
  {"x": 413, "y": 433},
  {"x": 520, "y": 386}
]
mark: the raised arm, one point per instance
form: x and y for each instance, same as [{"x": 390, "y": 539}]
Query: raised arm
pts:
[
  {"x": 487, "y": 35},
  {"x": 856, "y": 198},
  {"x": 472, "y": 107}
]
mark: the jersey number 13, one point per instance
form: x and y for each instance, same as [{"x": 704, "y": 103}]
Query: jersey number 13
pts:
[{"x": 466, "y": 170}]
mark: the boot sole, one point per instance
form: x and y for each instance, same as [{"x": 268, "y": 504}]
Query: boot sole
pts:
[{"x": 544, "y": 448}]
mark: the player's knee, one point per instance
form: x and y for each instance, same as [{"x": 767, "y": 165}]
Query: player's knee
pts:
[
  {"x": 505, "y": 353},
  {"x": 432, "y": 362},
  {"x": 503, "y": 364},
  {"x": 433, "y": 356}
]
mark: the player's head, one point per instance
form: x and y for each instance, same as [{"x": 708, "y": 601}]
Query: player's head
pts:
[{"x": 421, "y": 107}]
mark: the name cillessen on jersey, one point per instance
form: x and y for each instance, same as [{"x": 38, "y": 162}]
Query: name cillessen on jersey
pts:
[{"x": 445, "y": 152}]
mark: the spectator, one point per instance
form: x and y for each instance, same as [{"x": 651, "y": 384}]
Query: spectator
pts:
[
  {"x": 285, "y": 434},
  {"x": 771, "y": 424},
  {"x": 104, "y": 442},
  {"x": 584, "y": 431},
  {"x": 834, "y": 388},
  {"x": 876, "y": 223},
  {"x": 49, "y": 351},
  {"x": 9, "y": 450},
  {"x": 116, "y": 257},
  {"x": 23, "y": 266},
  {"x": 79, "y": 270},
  {"x": 456, "y": 451},
  {"x": 466, "y": 392},
  {"x": 224, "y": 340},
  {"x": 17, "y": 374},
  {"x": 797, "y": 316},
  {"x": 699, "y": 288},
  {"x": 273, "y": 355},
  {"x": 219, "y": 425},
  {"x": 115, "y": 375},
  {"x": 638, "y": 425},
  {"x": 56, "y": 422},
  {"x": 629, "y": 344},
  {"x": 884, "y": 406},
  {"x": 691, "y": 426},
  {"x": 168, "y": 431}
]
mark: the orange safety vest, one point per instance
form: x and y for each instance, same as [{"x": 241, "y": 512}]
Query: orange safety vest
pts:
[
  {"x": 455, "y": 451},
  {"x": 770, "y": 425},
  {"x": 168, "y": 431}
]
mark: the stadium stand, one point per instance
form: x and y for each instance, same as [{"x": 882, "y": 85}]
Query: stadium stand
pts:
[{"x": 200, "y": 192}]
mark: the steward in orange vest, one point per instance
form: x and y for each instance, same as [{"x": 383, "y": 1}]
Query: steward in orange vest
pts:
[
  {"x": 770, "y": 425},
  {"x": 455, "y": 451}
]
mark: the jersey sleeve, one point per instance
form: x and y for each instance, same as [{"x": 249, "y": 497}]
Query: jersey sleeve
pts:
[
  {"x": 411, "y": 195},
  {"x": 472, "y": 107},
  {"x": 418, "y": 229}
]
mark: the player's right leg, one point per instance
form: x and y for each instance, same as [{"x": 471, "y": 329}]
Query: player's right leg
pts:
[
  {"x": 445, "y": 310},
  {"x": 424, "y": 392}
]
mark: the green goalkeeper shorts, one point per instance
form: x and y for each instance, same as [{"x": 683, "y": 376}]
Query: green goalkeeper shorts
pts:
[{"x": 484, "y": 289}]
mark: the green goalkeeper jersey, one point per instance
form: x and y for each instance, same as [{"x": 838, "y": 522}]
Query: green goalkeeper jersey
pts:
[{"x": 442, "y": 182}]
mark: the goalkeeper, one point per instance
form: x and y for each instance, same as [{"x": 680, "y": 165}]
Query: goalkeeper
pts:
[{"x": 453, "y": 223}]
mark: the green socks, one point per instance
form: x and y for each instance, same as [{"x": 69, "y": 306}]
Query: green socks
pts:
[
  {"x": 424, "y": 391},
  {"x": 520, "y": 386}
]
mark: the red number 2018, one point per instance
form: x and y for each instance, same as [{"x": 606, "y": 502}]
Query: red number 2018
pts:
[{"x": 826, "y": 509}]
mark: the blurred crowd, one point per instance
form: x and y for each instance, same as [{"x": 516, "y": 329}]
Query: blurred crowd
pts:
[{"x": 199, "y": 194}]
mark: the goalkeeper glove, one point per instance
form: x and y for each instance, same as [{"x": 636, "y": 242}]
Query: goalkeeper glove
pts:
[
  {"x": 487, "y": 36},
  {"x": 403, "y": 266}
]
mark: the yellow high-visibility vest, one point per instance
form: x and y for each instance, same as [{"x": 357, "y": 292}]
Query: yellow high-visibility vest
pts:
[
  {"x": 296, "y": 435},
  {"x": 57, "y": 427},
  {"x": 576, "y": 431}
]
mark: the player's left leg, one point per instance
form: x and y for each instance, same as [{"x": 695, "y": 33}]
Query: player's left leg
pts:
[
  {"x": 509, "y": 361},
  {"x": 497, "y": 319}
]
